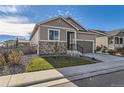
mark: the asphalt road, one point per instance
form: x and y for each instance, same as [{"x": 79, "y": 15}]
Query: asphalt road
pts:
[{"x": 115, "y": 79}]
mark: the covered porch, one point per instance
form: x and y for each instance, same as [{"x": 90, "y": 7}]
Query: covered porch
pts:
[{"x": 115, "y": 42}]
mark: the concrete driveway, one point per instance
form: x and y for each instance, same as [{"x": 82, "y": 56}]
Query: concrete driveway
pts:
[{"x": 105, "y": 57}]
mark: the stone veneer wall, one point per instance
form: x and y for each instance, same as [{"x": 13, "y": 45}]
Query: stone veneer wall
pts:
[{"x": 48, "y": 47}]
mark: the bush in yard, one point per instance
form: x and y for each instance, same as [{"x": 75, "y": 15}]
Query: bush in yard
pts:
[
  {"x": 121, "y": 51},
  {"x": 2, "y": 60},
  {"x": 15, "y": 57},
  {"x": 5, "y": 53},
  {"x": 112, "y": 52},
  {"x": 98, "y": 48},
  {"x": 104, "y": 49}
]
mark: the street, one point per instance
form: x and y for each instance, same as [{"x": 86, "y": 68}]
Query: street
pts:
[{"x": 115, "y": 79}]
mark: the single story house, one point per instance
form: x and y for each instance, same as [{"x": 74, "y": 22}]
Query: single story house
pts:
[
  {"x": 112, "y": 39},
  {"x": 67, "y": 33}
]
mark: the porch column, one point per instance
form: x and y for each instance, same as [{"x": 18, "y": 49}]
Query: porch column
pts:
[
  {"x": 113, "y": 42},
  {"x": 123, "y": 41},
  {"x": 119, "y": 42},
  {"x": 75, "y": 40}
]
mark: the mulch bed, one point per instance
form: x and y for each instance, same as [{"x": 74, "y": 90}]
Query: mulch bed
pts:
[{"x": 14, "y": 69}]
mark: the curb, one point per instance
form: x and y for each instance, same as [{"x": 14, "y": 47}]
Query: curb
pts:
[{"x": 77, "y": 76}]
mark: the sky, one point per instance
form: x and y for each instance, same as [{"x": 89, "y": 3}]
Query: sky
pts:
[{"x": 20, "y": 20}]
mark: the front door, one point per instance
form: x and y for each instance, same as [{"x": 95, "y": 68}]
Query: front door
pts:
[{"x": 70, "y": 37}]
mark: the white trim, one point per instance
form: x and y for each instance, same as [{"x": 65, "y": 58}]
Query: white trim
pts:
[
  {"x": 54, "y": 30},
  {"x": 69, "y": 31},
  {"x": 74, "y": 31},
  {"x": 89, "y": 41},
  {"x": 56, "y": 27},
  {"x": 52, "y": 41}
]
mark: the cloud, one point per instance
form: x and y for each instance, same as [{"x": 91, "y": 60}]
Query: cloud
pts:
[
  {"x": 15, "y": 29},
  {"x": 15, "y": 26},
  {"x": 14, "y": 19},
  {"x": 63, "y": 13},
  {"x": 8, "y": 9},
  {"x": 60, "y": 13}
]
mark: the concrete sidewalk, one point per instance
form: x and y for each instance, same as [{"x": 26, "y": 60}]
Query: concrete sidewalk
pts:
[
  {"x": 104, "y": 57},
  {"x": 56, "y": 76}
]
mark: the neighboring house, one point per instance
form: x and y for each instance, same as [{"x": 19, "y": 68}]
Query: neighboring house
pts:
[
  {"x": 1, "y": 44},
  {"x": 68, "y": 34},
  {"x": 24, "y": 43},
  {"x": 113, "y": 39},
  {"x": 9, "y": 43},
  {"x": 12, "y": 43}
]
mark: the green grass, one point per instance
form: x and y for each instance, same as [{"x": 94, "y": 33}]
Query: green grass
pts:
[{"x": 46, "y": 63}]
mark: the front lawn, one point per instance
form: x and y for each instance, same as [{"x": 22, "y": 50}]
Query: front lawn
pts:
[{"x": 45, "y": 63}]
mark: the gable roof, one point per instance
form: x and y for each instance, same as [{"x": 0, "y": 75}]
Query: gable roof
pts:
[
  {"x": 64, "y": 19},
  {"x": 74, "y": 22},
  {"x": 59, "y": 17},
  {"x": 115, "y": 32},
  {"x": 99, "y": 32},
  {"x": 108, "y": 33}
]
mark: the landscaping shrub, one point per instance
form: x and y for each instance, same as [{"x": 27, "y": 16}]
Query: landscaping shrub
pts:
[
  {"x": 15, "y": 57},
  {"x": 2, "y": 60},
  {"x": 104, "y": 49},
  {"x": 98, "y": 48},
  {"x": 112, "y": 52},
  {"x": 5, "y": 53},
  {"x": 120, "y": 51}
]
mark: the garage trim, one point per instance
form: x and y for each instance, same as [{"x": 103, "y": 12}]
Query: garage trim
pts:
[{"x": 87, "y": 40}]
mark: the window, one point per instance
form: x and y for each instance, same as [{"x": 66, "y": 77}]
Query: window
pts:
[
  {"x": 110, "y": 40},
  {"x": 121, "y": 40},
  {"x": 53, "y": 35},
  {"x": 116, "y": 40}
]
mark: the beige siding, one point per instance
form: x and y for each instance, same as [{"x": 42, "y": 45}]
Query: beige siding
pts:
[
  {"x": 58, "y": 23},
  {"x": 76, "y": 25},
  {"x": 102, "y": 41},
  {"x": 44, "y": 33},
  {"x": 85, "y": 36},
  {"x": 63, "y": 34},
  {"x": 35, "y": 38}
]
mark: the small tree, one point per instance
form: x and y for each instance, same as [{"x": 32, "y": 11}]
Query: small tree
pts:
[{"x": 17, "y": 42}]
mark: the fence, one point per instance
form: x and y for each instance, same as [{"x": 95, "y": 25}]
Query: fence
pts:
[{"x": 24, "y": 49}]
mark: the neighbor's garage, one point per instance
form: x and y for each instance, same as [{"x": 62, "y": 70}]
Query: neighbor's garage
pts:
[{"x": 85, "y": 46}]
